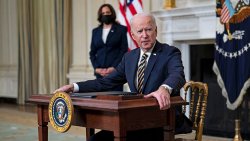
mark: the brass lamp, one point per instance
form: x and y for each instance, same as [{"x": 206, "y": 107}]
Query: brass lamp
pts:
[{"x": 169, "y": 4}]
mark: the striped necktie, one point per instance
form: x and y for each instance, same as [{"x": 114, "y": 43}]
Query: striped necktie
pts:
[{"x": 140, "y": 72}]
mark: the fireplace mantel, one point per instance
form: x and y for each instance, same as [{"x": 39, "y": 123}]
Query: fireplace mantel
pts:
[{"x": 189, "y": 24}]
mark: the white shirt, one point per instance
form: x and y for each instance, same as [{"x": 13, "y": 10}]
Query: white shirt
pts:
[{"x": 105, "y": 32}]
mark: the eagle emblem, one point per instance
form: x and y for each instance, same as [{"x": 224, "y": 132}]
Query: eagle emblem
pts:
[
  {"x": 61, "y": 111},
  {"x": 232, "y": 12}
]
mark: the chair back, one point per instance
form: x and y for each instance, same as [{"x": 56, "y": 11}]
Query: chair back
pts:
[{"x": 198, "y": 105}]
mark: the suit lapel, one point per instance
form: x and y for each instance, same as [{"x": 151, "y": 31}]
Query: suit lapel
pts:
[
  {"x": 111, "y": 33},
  {"x": 151, "y": 63},
  {"x": 99, "y": 34},
  {"x": 133, "y": 61}
]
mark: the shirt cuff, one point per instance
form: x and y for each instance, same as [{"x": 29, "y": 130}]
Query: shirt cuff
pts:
[
  {"x": 168, "y": 88},
  {"x": 76, "y": 88}
]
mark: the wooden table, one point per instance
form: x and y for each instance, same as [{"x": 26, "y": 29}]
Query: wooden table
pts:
[{"x": 118, "y": 116}]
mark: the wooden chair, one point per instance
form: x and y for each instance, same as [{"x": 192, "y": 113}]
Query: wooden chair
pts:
[{"x": 198, "y": 104}]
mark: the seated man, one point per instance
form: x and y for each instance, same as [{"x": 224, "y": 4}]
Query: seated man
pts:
[{"x": 154, "y": 69}]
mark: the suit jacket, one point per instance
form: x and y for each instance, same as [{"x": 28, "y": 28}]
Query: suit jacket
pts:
[
  {"x": 109, "y": 54},
  {"x": 164, "y": 67}
]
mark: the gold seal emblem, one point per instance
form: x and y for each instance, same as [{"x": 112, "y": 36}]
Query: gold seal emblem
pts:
[{"x": 61, "y": 112}]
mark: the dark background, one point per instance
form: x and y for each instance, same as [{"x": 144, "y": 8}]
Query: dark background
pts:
[{"x": 219, "y": 121}]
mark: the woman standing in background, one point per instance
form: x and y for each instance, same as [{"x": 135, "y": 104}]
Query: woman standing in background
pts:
[{"x": 108, "y": 44}]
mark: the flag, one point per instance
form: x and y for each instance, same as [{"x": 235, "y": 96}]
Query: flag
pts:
[
  {"x": 232, "y": 52},
  {"x": 128, "y": 8},
  {"x": 226, "y": 12}
]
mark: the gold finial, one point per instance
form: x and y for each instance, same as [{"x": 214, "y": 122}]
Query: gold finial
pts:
[{"x": 237, "y": 136}]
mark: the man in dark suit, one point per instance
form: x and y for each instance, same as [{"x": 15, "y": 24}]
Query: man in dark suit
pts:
[{"x": 163, "y": 74}]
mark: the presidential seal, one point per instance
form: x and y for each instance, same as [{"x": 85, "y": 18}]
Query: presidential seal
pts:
[{"x": 61, "y": 111}]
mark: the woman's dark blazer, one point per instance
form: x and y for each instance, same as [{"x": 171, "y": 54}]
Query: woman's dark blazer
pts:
[{"x": 109, "y": 54}]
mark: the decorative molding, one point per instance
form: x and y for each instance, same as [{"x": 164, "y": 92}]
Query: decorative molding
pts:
[
  {"x": 8, "y": 49},
  {"x": 188, "y": 24},
  {"x": 77, "y": 74},
  {"x": 8, "y": 81}
]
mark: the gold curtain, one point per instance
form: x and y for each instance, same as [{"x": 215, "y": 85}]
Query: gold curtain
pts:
[{"x": 44, "y": 46}]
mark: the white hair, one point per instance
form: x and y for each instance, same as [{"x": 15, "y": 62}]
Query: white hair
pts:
[{"x": 143, "y": 14}]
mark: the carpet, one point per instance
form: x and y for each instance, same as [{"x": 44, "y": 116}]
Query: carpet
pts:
[
  {"x": 18, "y": 132},
  {"x": 19, "y": 125}
]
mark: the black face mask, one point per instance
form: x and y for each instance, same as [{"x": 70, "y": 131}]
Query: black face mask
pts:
[{"x": 107, "y": 19}]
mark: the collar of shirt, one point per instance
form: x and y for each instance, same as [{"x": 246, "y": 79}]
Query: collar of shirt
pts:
[
  {"x": 148, "y": 53},
  {"x": 105, "y": 32}
]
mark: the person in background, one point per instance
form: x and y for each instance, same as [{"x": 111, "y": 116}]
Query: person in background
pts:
[
  {"x": 154, "y": 70},
  {"x": 108, "y": 44}
]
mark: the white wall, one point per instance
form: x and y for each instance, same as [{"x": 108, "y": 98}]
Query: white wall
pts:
[{"x": 8, "y": 48}]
